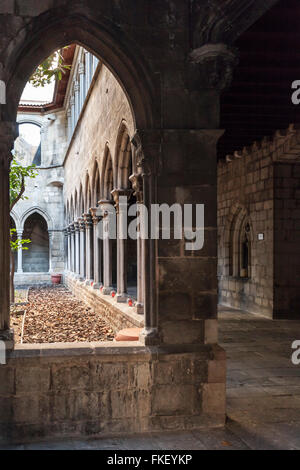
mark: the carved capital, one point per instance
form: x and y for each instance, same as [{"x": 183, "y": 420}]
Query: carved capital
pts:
[
  {"x": 95, "y": 217},
  {"x": 213, "y": 65},
  {"x": 146, "y": 147},
  {"x": 81, "y": 224},
  {"x": 137, "y": 184},
  {"x": 117, "y": 193},
  {"x": 87, "y": 220}
]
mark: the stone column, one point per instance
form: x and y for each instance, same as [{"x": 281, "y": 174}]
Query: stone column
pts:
[
  {"x": 106, "y": 207},
  {"x": 81, "y": 85},
  {"x": 89, "y": 247},
  {"x": 7, "y": 135},
  {"x": 121, "y": 211},
  {"x": 69, "y": 121},
  {"x": 72, "y": 248},
  {"x": 65, "y": 249},
  {"x": 77, "y": 249},
  {"x": 97, "y": 250},
  {"x": 82, "y": 249},
  {"x": 50, "y": 234},
  {"x": 20, "y": 253},
  {"x": 137, "y": 185},
  {"x": 68, "y": 249}
]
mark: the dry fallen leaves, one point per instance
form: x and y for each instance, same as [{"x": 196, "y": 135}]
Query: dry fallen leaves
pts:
[{"x": 54, "y": 315}]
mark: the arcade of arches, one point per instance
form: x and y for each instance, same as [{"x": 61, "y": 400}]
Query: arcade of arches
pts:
[{"x": 138, "y": 116}]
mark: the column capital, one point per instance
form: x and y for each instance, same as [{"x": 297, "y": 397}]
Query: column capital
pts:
[
  {"x": 105, "y": 206},
  {"x": 95, "y": 218},
  {"x": 87, "y": 219},
  {"x": 214, "y": 66},
  {"x": 76, "y": 226},
  {"x": 20, "y": 233},
  {"x": 137, "y": 184},
  {"x": 81, "y": 224},
  {"x": 117, "y": 193},
  {"x": 146, "y": 148}
]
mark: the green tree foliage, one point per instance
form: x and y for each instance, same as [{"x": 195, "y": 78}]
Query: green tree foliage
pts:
[
  {"x": 52, "y": 67},
  {"x": 17, "y": 176}
]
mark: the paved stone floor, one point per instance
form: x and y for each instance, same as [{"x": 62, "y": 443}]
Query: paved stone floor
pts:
[{"x": 263, "y": 394}]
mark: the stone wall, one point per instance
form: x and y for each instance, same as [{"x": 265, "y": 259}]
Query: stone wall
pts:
[
  {"x": 66, "y": 390},
  {"x": 119, "y": 316},
  {"x": 287, "y": 239},
  {"x": 98, "y": 127},
  {"x": 245, "y": 186}
]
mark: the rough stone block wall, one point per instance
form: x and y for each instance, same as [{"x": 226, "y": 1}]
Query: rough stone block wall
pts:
[
  {"x": 247, "y": 183},
  {"x": 54, "y": 391},
  {"x": 118, "y": 318},
  {"x": 287, "y": 240}
]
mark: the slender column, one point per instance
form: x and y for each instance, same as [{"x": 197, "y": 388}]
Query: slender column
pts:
[
  {"x": 65, "y": 249},
  {"x": 20, "y": 252},
  {"x": 87, "y": 72},
  {"x": 73, "y": 119},
  {"x": 76, "y": 91},
  {"x": 77, "y": 249},
  {"x": 69, "y": 249},
  {"x": 81, "y": 85},
  {"x": 88, "y": 247},
  {"x": 107, "y": 248},
  {"x": 72, "y": 231},
  {"x": 7, "y": 135},
  {"x": 82, "y": 249},
  {"x": 137, "y": 184},
  {"x": 50, "y": 233},
  {"x": 97, "y": 250},
  {"x": 69, "y": 120},
  {"x": 121, "y": 210}
]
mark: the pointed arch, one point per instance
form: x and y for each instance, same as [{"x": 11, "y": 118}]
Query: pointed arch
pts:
[
  {"x": 107, "y": 176},
  {"x": 123, "y": 157}
]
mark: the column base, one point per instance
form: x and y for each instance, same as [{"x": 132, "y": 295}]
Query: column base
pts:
[
  {"x": 139, "y": 308},
  {"x": 121, "y": 298},
  {"x": 149, "y": 336},
  {"x": 96, "y": 285},
  {"x": 107, "y": 290},
  {"x": 8, "y": 337}
]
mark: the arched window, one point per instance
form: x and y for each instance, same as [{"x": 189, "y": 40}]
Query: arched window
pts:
[
  {"x": 28, "y": 144},
  {"x": 245, "y": 250},
  {"x": 240, "y": 246}
]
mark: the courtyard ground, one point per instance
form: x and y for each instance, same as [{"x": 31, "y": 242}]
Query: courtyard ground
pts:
[
  {"x": 263, "y": 394},
  {"x": 54, "y": 315}
]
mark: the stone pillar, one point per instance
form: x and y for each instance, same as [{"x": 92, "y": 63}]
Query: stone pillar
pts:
[
  {"x": 81, "y": 85},
  {"x": 7, "y": 135},
  {"x": 69, "y": 121},
  {"x": 89, "y": 247},
  {"x": 121, "y": 211},
  {"x": 20, "y": 253},
  {"x": 77, "y": 249},
  {"x": 97, "y": 250},
  {"x": 50, "y": 234},
  {"x": 106, "y": 206},
  {"x": 66, "y": 249},
  {"x": 82, "y": 249},
  {"x": 137, "y": 185},
  {"x": 72, "y": 248},
  {"x": 77, "y": 100}
]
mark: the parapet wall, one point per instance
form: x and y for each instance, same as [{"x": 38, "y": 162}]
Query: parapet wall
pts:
[{"x": 75, "y": 389}]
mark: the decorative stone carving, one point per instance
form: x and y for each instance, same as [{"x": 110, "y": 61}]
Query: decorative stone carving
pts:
[{"x": 215, "y": 64}]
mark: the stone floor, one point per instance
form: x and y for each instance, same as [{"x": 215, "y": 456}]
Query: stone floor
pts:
[{"x": 263, "y": 394}]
